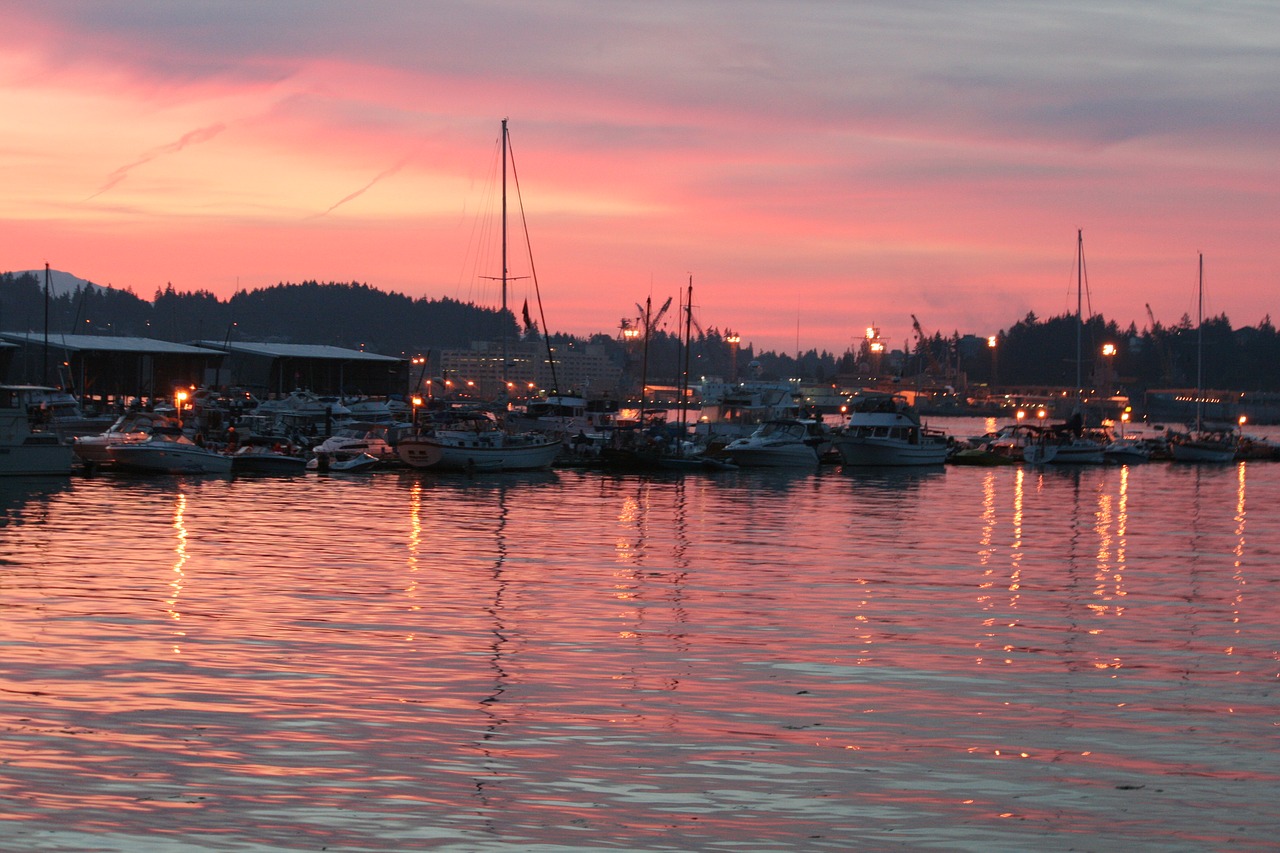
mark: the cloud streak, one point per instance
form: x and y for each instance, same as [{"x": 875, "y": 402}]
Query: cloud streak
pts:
[
  {"x": 195, "y": 137},
  {"x": 381, "y": 176}
]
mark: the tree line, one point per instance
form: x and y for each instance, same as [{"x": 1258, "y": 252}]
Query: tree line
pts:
[{"x": 356, "y": 316}]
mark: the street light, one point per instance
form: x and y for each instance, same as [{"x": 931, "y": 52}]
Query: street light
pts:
[
  {"x": 1108, "y": 378},
  {"x": 733, "y": 339},
  {"x": 991, "y": 345}
]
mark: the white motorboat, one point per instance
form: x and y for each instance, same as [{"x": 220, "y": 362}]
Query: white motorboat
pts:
[
  {"x": 25, "y": 449},
  {"x": 168, "y": 451},
  {"x": 739, "y": 410},
  {"x": 376, "y": 439},
  {"x": 1127, "y": 451},
  {"x": 130, "y": 428},
  {"x": 884, "y": 429},
  {"x": 300, "y": 412},
  {"x": 341, "y": 463},
  {"x": 783, "y": 443},
  {"x": 475, "y": 442}
]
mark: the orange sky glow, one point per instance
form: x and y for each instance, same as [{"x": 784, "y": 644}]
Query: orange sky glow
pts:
[{"x": 815, "y": 167}]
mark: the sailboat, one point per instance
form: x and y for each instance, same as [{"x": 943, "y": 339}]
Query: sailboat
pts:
[
  {"x": 679, "y": 454},
  {"x": 476, "y": 441},
  {"x": 1072, "y": 445},
  {"x": 1200, "y": 445}
]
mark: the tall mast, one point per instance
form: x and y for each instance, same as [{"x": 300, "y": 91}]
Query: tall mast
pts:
[
  {"x": 1200, "y": 347},
  {"x": 46, "y": 325},
  {"x": 504, "y": 258},
  {"x": 1079, "y": 313},
  {"x": 688, "y": 346}
]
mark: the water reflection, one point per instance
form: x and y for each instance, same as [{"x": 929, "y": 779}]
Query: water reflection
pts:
[
  {"x": 731, "y": 662},
  {"x": 179, "y": 575}
]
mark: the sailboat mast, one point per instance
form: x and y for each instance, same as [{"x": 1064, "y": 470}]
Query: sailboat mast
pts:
[
  {"x": 1200, "y": 347},
  {"x": 1079, "y": 312},
  {"x": 688, "y": 347},
  {"x": 504, "y": 257}
]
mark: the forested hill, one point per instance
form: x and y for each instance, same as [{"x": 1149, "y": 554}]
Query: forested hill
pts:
[
  {"x": 1030, "y": 351},
  {"x": 342, "y": 315}
]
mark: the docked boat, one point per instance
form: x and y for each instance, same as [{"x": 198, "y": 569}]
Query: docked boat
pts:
[
  {"x": 60, "y": 412},
  {"x": 884, "y": 429},
  {"x": 1200, "y": 444},
  {"x": 473, "y": 441},
  {"x": 132, "y": 427},
  {"x": 341, "y": 463},
  {"x": 263, "y": 455},
  {"x": 1127, "y": 451},
  {"x": 783, "y": 443},
  {"x": 24, "y": 448},
  {"x": 168, "y": 451},
  {"x": 376, "y": 439},
  {"x": 567, "y": 415},
  {"x": 1204, "y": 446},
  {"x": 737, "y": 411}
]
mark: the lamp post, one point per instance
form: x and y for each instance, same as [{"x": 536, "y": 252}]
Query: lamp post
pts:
[
  {"x": 1108, "y": 377},
  {"x": 733, "y": 339},
  {"x": 991, "y": 345}
]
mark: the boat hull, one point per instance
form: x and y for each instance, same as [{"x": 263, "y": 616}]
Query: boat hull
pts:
[
  {"x": 783, "y": 456},
  {"x": 509, "y": 454},
  {"x": 1195, "y": 451},
  {"x": 149, "y": 458},
  {"x": 36, "y": 455},
  {"x": 857, "y": 450}
]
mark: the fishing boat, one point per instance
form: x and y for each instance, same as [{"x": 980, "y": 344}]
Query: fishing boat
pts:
[
  {"x": 168, "y": 451},
  {"x": 1199, "y": 444},
  {"x": 784, "y": 443},
  {"x": 26, "y": 448},
  {"x": 474, "y": 441},
  {"x": 885, "y": 429}
]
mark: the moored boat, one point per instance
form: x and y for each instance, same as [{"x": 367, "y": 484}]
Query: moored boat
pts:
[
  {"x": 884, "y": 429},
  {"x": 168, "y": 451},
  {"x": 132, "y": 427},
  {"x": 782, "y": 443},
  {"x": 24, "y": 448},
  {"x": 474, "y": 441},
  {"x": 262, "y": 455}
]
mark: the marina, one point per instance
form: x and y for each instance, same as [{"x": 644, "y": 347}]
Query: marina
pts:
[{"x": 979, "y": 658}]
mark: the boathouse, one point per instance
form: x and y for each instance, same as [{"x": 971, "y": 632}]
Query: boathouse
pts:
[{"x": 269, "y": 368}]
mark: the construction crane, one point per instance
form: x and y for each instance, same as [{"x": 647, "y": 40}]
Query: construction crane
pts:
[
  {"x": 1166, "y": 364},
  {"x": 922, "y": 345}
]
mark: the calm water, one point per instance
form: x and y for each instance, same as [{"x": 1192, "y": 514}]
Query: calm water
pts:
[{"x": 955, "y": 660}]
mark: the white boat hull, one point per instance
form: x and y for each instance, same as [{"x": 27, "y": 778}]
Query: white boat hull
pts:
[
  {"x": 38, "y": 454},
  {"x": 1078, "y": 453},
  {"x": 870, "y": 451},
  {"x": 778, "y": 456},
  {"x": 512, "y": 453},
  {"x": 168, "y": 458}
]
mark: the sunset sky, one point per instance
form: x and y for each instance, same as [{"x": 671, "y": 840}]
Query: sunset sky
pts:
[{"x": 816, "y": 167}]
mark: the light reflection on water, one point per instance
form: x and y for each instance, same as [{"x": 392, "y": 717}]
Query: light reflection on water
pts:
[{"x": 958, "y": 659}]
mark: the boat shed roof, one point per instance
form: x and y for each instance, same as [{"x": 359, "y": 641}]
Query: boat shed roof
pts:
[
  {"x": 311, "y": 351},
  {"x": 106, "y": 343}
]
